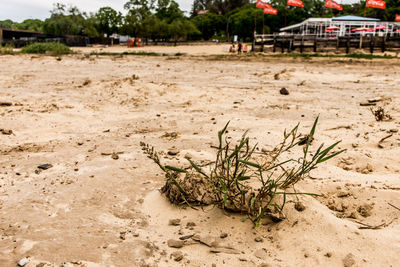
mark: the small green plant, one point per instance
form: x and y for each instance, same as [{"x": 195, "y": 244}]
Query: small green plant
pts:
[
  {"x": 242, "y": 179},
  {"x": 380, "y": 114},
  {"x": 53, "y": 49}
]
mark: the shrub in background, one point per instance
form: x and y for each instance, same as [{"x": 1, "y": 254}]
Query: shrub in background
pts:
[{"x": 53, "y": 49}]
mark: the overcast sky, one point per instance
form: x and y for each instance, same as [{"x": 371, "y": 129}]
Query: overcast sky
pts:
[{"x": 19, "y": 10}]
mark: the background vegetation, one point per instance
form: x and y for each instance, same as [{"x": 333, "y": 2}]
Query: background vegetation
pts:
[
  {"x": 53, "y": 49},
  {"x": 162, "y": 20}
]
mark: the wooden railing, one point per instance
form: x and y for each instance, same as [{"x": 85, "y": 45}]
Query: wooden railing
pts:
[{"x": 314, "y": 43}]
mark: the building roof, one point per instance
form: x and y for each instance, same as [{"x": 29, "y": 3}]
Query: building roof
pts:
[
  {"x": 328, "y": 20},
  {"x": 353, "y": 18},
  {"x": 16, "y": 30},
  {"x": 309, "y": 20}
]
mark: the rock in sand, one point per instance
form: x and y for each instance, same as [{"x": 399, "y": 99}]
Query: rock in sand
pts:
[{"x": 175, "y": 243}]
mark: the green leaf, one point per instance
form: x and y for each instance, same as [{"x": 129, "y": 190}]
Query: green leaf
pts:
[
  {"x": 308, "y": 194},
  {"x": 284, "y": 200},
  {"x": 222, "y": 184},
  {"x": 252, "y": 201},
  {"x": 310, "y": 136},
  {"x": 331, "y": 156},
  {"x": 243, "y": 178},
  {"x": 197, "y": 168},
  {"x": 174, "y": 169},
  {"x": 252, "y": 164},
  {"x": 221, "y": 133},
  {"x": 313, "y": 128},
  {"x": 326, "y": 151},
  {"x": 225, "y": 198}
]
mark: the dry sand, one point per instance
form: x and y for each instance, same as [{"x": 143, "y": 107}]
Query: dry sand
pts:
[
  {"x": 92, "y": 210},
  {"x": 207, "y": 49}
]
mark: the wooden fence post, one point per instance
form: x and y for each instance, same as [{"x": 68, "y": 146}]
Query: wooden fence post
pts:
[
  {"x": 383, "y": 48},
  {"x": 262, "y": 43},
  {"x": 315, "y": 44},
  {"x": 302, "y": 44},
  {"x": 371, "y": 44},
  {"x": 274, "y": 47}
]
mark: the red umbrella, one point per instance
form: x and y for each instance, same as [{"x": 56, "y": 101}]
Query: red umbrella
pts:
[
  {"x": 362, "y": 29},
  {"x": 333, "y": 28},
  {"x": 381, "y": 27},
  {"x": 398, "y": 30}
]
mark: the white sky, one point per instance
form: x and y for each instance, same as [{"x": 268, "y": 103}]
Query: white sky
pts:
[{"x": 19, "y": 10}]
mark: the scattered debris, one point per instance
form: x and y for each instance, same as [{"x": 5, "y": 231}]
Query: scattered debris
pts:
[
  {"x": 380, "y": 114},
  {"x": 23, "y": 262},
  {"x": 177, "y": 255},
  {"x": 122, "y": 235},
  {"x": 5, "y": 104},
  {"x": 365, "y": 210},
  {"x": 190, "y": 224},
  {"x": 258, "y": 239},
  {"x": 349, "y": 260},
  {"x": 343, "y": 194},
  {"x": 111, "y": 153},
  {"x": 374, "y": 100},
  {"x": 306, "y": 139},
  {"x": 186, "y": 237},
  {"x": 223, "y": 235},
  {"x": 45, "y": 166},
  {"x": 174, "y": 222},
  {"x": 367, "y": 104},
  {"x": 284, "y": 91},
  {"x": 6, "y": 132},
  {"x": 394, "y": 206},
  {"x": 86, "y": 82},
  {"x": 370, "y": 227},
  {"x": 261, "y": 254},
  {"x": 173, "y": 152},
  {"x": 170, "y": 136},
  {"x": 207, "y": 240},
  {"x": 225, "y": 250},
  {"x": 386, "y": 137},
  {"x": 348, "y": 127},
  {"x": 299, "y": 206}
]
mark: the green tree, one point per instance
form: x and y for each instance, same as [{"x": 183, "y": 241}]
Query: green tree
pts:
[
  {"x": 30, "y": 25},
  {"x": 181, "y": 29},
  {"x": 138, "y": 11},
  {"x": 108, "y": 20},
  {"x": 210, "y": 24},
  {"x": 8, "y": 24},
  {"x": 168, "y": 10},
  {"x": 217, "y": 6},
  {"x": 69, "y": 20}
]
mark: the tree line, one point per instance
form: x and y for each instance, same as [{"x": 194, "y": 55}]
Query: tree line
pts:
[{"x": 163, "y": 20}]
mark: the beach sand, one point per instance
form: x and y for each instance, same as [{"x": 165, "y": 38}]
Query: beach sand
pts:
[{"x": 99, "y": 204}]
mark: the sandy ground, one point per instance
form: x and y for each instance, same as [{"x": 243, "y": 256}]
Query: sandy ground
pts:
[
  {"x": 92, "y": 210},
  {"x": 208, "y": 49}
]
